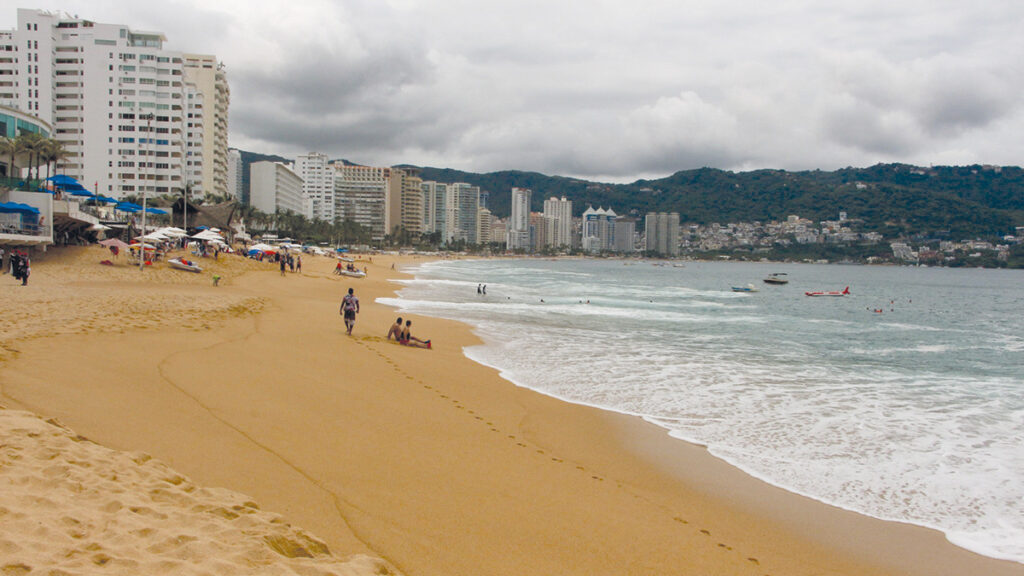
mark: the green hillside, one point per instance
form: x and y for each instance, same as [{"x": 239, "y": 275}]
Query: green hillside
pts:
[{"x": 946, "y": 201}]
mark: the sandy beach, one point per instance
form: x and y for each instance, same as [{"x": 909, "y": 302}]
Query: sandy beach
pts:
[{"x": 157, "y": 424}]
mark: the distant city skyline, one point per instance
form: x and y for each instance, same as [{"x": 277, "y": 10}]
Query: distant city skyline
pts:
[{"x": 611, "y": 92}]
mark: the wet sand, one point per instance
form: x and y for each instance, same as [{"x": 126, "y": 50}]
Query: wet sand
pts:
[{"x": 395, "y": 458}]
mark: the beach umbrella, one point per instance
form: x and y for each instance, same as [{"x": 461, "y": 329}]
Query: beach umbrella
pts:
[
  {"x": 207, "y": 235},
  {"x": 117, "y": 243},
  {"x": 172, "y": 232},
  {"x": 127, "y": 207},
  {"x": 12, "y": 207},
  {"x": 81, "y": 192},
  {"x": 107, "y": 200},
  {"x": 152, "y": 236},
  {"x": 62, "y": 180},
  {"x": 155, "y": 211}
]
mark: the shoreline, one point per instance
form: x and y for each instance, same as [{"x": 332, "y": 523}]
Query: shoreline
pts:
[
  {"x": 632, "y": 425},
  {"x": 428, "y": 459}
]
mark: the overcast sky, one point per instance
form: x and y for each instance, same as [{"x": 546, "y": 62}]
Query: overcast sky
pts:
[{"x": 607, "y": 90}]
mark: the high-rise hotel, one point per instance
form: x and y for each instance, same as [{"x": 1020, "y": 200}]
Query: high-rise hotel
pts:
[{"x": 132, "y": 116}]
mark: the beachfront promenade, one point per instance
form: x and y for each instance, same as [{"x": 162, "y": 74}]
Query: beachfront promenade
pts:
[{"x": 408, "y": 460}]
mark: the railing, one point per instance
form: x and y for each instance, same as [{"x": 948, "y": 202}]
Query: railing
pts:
[
  {"x": 25, "y": 229},
  {"x": 21, "y": 183}
]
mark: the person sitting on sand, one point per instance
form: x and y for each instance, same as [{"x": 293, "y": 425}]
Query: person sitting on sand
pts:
[
  {"x": 396, "y": 330},
  {"x": 409, "y": 340}
]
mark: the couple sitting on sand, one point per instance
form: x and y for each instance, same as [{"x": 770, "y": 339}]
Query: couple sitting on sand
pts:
[{"x": 403, "y": 335}]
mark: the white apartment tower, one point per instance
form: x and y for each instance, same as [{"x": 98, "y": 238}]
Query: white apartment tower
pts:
[
  {"x": 462, "y": 213},
  {"x": 518, "y": 227},
  {"x": 434, "y": 202},
  {"x": 235, "y": 176},
  {"x": 558, "y": 222},
  {"x": 119, "y": 103},
  {"x": 274, "y": 188},
  {"x": 208, "y": 116},
  {"x": 360, "y": 196},
  {"x": 405, "y": 201},
  {"x": 317, "y": 175},
  {"x": 598, "y": 230}
]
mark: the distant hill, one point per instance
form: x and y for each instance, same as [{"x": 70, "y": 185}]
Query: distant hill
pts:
[
  {"x": 958, "y": 202},
  {"x": 895, "y": 199}
]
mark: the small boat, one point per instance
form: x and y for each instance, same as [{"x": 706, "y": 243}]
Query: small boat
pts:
[
  {"x": 183, "y": 264},
  {"x": 747, "y": 288},
  {"x": 845, "y": 292},
  {"x": 776, "y": 278},
  {"x": 352, "y": 273}
]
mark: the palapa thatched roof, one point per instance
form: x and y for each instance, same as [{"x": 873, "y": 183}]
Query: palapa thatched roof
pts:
[{"x": 212, "y": 215}]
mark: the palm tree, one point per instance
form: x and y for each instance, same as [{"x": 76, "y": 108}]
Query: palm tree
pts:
[
  {"x": 52, "y": 153},
  {"x": 11, "y": 148},
  {"x": 32, "y": 144}
]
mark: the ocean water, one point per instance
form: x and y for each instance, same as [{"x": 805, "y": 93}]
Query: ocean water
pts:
[{"x": 914, "y": 413}]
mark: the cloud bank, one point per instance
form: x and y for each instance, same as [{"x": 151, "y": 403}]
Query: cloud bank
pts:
[{"x": 608, "y": 90}]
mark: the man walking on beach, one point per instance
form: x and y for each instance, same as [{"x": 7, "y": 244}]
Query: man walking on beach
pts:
[{"x": 349, "y": 309}]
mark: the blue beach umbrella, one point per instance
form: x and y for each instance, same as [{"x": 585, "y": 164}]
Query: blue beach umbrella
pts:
[
  {"x": 155, "y": 211},
  {"x": 12, "y": 207},
  {"x": 127, "y": 207},
  {"x": 63, "y": 180}
]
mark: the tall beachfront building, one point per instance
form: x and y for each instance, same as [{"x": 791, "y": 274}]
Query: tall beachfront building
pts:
[
  {"x": 662, "y": 231},
  {"x": 360, "y": 196},
  {"x": 558, "y": 222},
  {"x": 434, "y": 201},
  {"x": 275, "y": 187},
  {"x": 235, "y": 178},
  {"x": 462, "y": 211},
  {"x": 598, "y": 230},
  {"x": 120, "y": 103},
  {"x": 208, "y": 118},
  {"x": 518, "y": 227},
  {"x": 405, "y": 201},
  {"x": 317, "y": 175}
]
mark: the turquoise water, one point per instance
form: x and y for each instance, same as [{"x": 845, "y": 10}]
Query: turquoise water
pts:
[{"x": 914, "y": 413}]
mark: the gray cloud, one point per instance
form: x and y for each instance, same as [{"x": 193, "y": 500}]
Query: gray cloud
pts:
[{"x": 611, "y": 90}]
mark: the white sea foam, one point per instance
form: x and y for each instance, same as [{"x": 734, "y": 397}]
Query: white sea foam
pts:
[{"x": 916, "y": 420}]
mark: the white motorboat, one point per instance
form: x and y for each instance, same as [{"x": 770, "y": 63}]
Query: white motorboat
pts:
[{"x": 183, "y": 264}]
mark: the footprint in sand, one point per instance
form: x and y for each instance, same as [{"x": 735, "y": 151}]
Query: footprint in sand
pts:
[{"x": 705, "y": 532}]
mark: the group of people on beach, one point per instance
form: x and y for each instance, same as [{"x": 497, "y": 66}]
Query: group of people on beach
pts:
[
  {"x": 20, "y": 265},
  {"x": 401, "y": 333}
]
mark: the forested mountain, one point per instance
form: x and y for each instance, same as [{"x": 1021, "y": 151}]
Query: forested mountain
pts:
[{"x": 894, "y": 199}]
